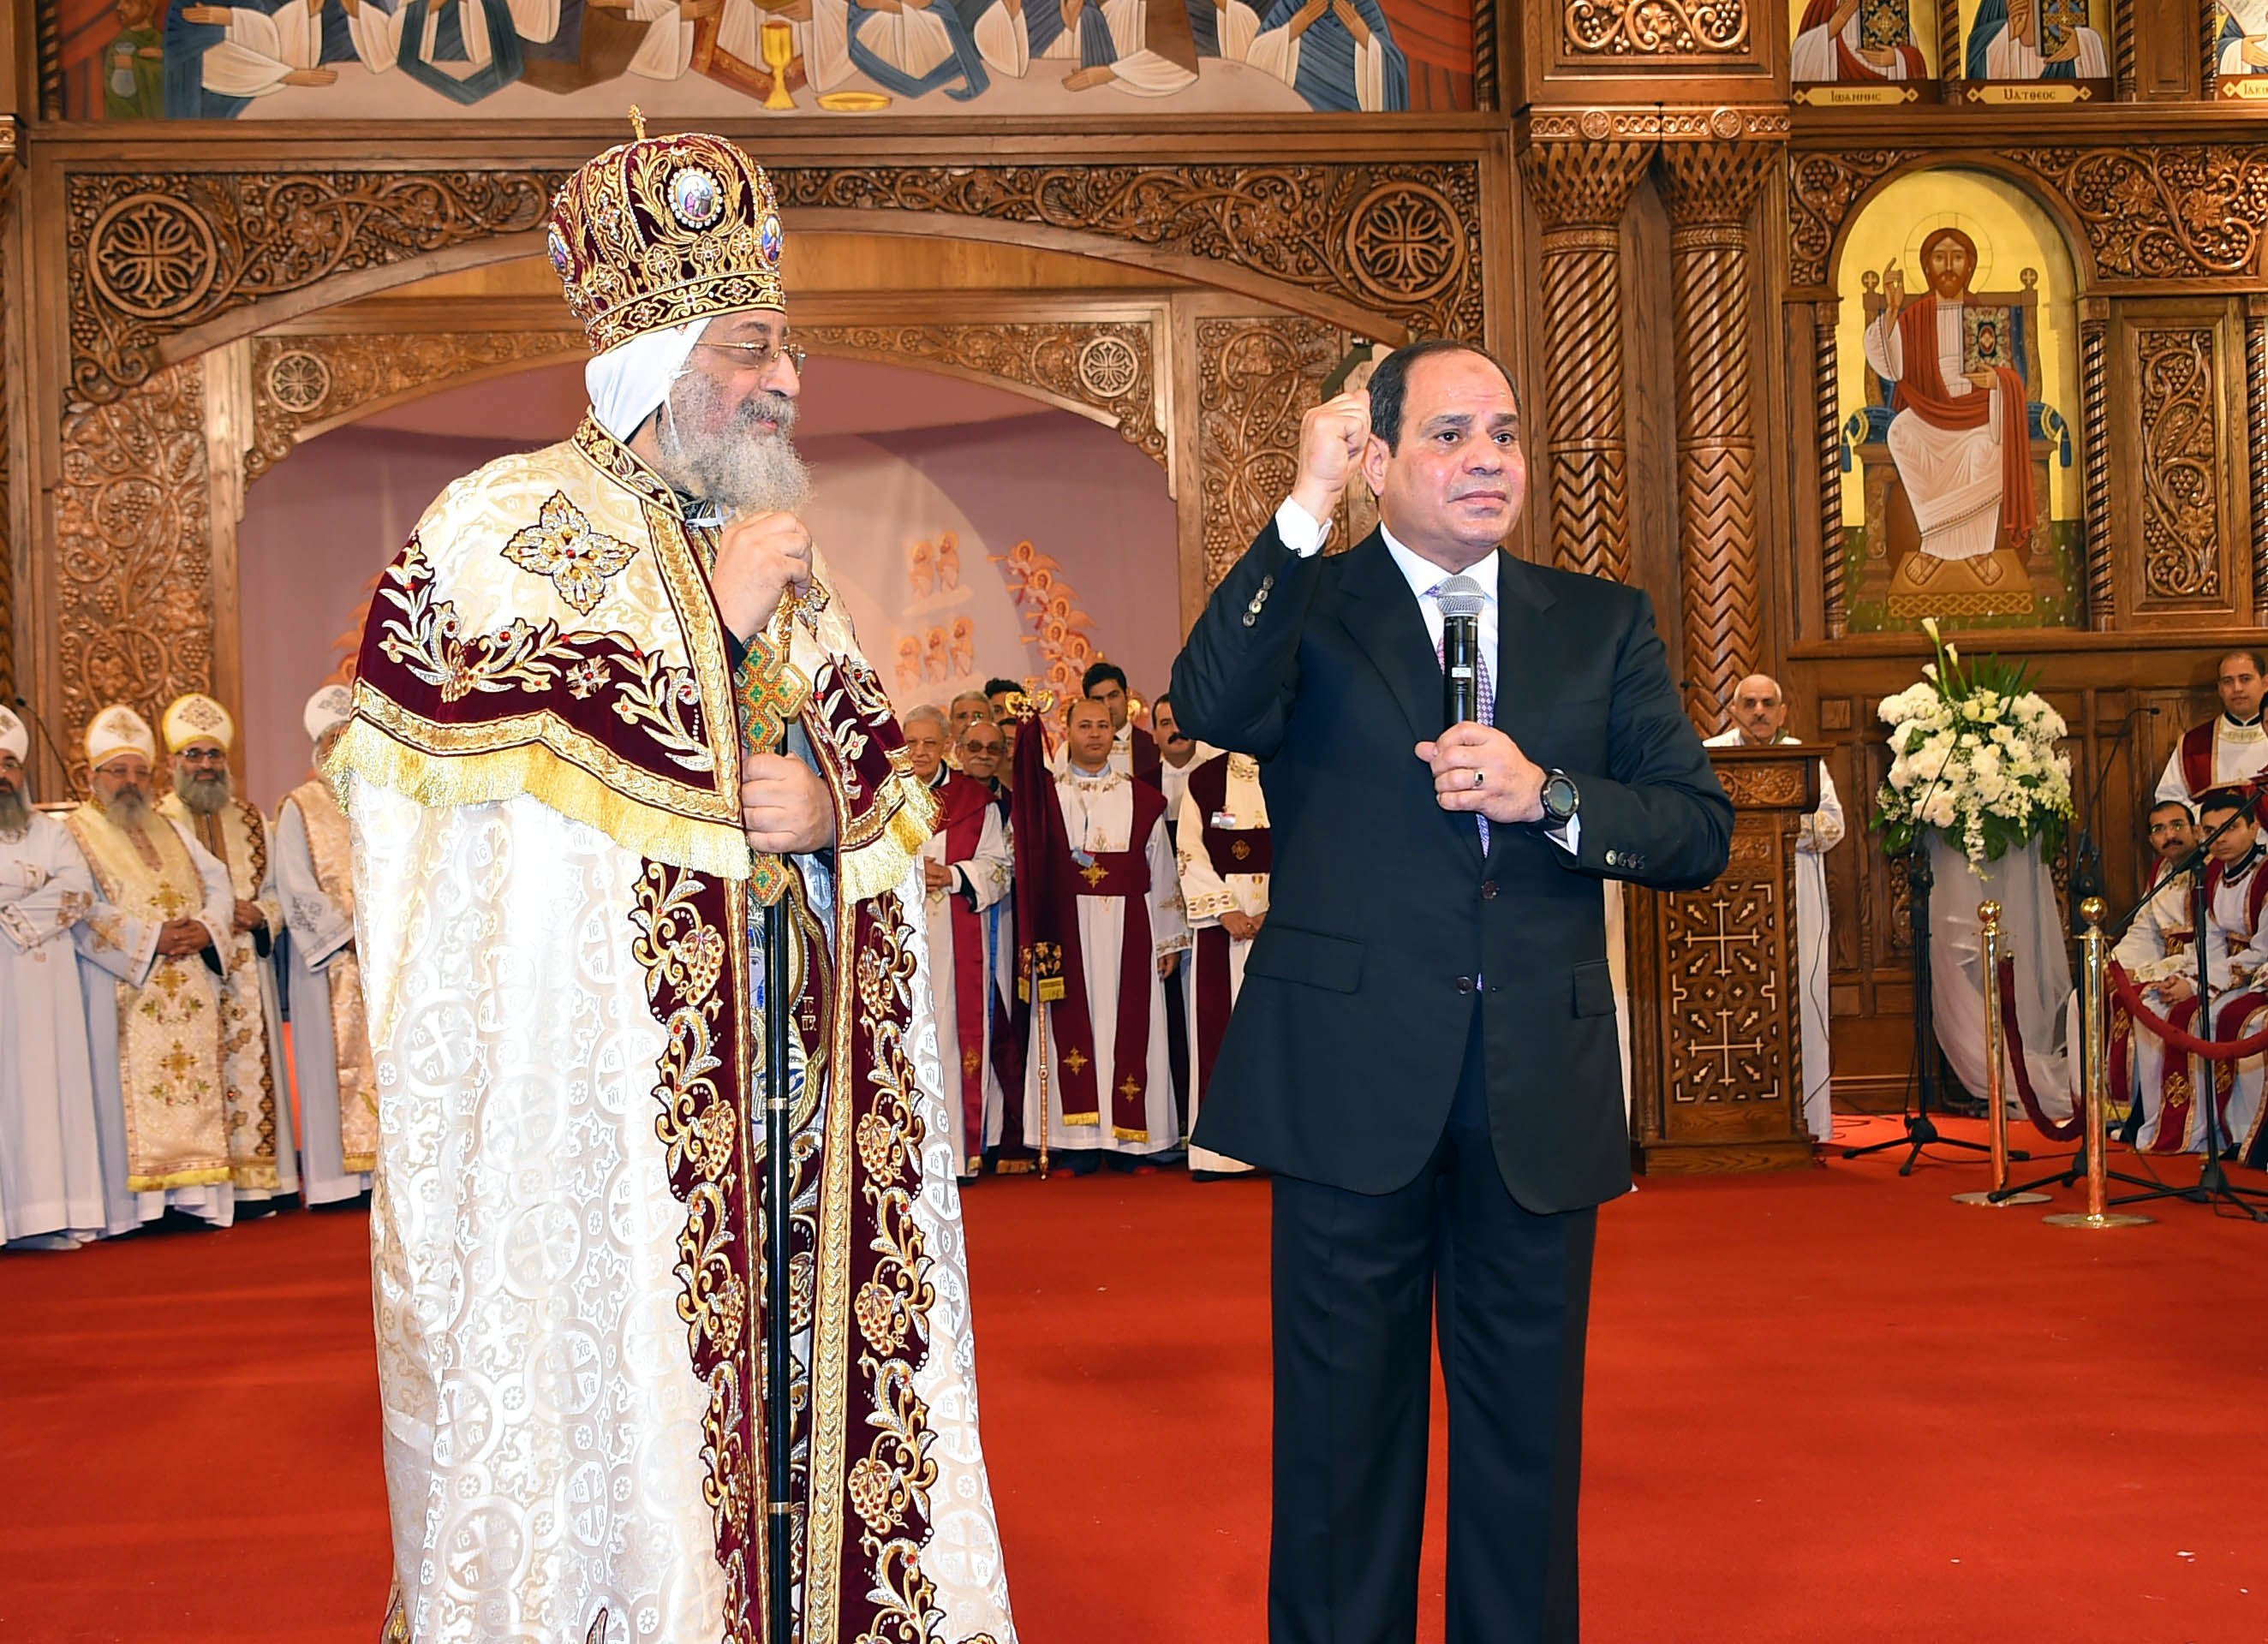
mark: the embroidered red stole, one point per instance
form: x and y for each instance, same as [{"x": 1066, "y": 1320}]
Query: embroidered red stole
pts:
[
  {"x": 965, "y": 801},
  {"x": 1123, "y": 874},
  {"x": 1230, "y": 850}
]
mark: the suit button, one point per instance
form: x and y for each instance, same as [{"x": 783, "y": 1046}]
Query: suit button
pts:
[
  {"x": 1465, "y": 984},
  {"x": 1613, "y": 859},
  {"x": 1249, "y": 618},
  {"x": 1488, "y": 889},
  {"x": 1268, "y": 582}
]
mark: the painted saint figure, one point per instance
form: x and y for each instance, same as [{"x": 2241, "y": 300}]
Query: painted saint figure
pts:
[
  {"x": 1832, "y": 44},
  {"x": 1960, "y": 436},
  {"x": 2004, "y": 43}
]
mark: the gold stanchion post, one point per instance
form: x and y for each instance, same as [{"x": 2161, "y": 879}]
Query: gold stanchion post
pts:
[
  {"x": 1996, "y": 1095},
  {"x": 2094, "y": 1007}
]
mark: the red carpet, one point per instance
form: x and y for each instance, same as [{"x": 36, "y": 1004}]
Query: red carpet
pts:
[{"x": 1827, "y": 1405}]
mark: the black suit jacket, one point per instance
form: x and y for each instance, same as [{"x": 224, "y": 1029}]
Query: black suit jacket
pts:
[{"x": 1386, "y": 930}]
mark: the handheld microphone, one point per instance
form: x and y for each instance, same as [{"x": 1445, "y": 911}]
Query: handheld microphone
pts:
[
  {"x": 62, "y": 763},
  {"x": 1461, "y": 650}
]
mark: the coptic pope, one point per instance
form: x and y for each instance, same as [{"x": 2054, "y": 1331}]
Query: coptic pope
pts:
[{"x": 608, "y": 713}]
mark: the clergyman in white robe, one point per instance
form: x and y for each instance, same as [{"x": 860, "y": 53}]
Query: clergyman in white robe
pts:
[
  {"x": 1212, "y": 890},
  {"x": 50, "y": 1165},
  {"x": 977, "y": 881},
  {"x": 1098, "y": 813},
  {"x": 330, "y": 1037}
]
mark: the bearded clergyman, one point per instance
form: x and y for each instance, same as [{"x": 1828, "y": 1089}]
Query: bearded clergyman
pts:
[
  {"x": 609, "y": 718},
  {"x": 152, "y": 972},
  {"x": 263, "y": 1154},
  {"x": 330, "y": 1034}
]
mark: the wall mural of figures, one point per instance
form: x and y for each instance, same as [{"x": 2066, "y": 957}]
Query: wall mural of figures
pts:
[
  {"x": 682, "y": 59},
  {"x": 2240, "y": 48},
  {"x": 1958, "y": 354}
]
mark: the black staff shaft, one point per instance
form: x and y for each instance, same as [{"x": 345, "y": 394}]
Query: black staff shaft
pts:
[{"x": 779, "y": 1426}]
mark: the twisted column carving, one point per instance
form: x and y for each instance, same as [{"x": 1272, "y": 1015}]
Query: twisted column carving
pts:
[
  {"x": 1710, "y": 188},
  {"x": 2095, "y": 415},
  {"x": 2256, "y": 387},
  {"x": 1580, "y": 190},
  {"x": 2123, "y": 70},
  {"x": 1828, "y": 411}
]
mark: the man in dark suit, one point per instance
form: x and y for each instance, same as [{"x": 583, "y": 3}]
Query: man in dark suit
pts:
[{"x": 1424, "y": 1053}]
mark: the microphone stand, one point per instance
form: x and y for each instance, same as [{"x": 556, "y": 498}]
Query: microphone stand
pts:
[
  {"x": 2212, "y": 1184},
  {"x": 1920, "y": 1131},
  {"x": 47, "y": 736},
  {"x": 2086, "y": 854}
]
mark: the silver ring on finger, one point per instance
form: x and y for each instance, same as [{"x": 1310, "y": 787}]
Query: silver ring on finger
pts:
[{"x": 1480, "y": 779}]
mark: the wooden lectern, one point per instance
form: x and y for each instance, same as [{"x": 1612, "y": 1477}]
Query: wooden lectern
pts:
[{"x": 1716, "y": 1059}]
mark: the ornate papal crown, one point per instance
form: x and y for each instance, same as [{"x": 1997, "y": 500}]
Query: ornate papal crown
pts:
[{"x": 658, "y": 230}]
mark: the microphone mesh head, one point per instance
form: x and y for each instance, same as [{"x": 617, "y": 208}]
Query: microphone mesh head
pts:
[{"x": 1460, "y": 597}]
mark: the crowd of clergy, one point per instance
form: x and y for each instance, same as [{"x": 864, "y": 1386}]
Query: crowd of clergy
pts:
[
  {"x": 152, "y": 946},
  {"x": 154, "y": 943}
]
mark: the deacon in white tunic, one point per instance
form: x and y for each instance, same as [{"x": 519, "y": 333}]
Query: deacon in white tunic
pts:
[
  {"x": 1224, "y": 847},
  {"x": 967, "y": 867},
  {"x": 50, "y": 1166},
  {"x": 262, "y": 1147},
  {"x": 2230, "y": 749},
  {"x": 1759, "y": 714},
  {"x": 2155, "y": 951},
  {"x": 150, "y": 967},
  {"x": 1103, "y": 815},
  {"x": 330, "y": 1034}
]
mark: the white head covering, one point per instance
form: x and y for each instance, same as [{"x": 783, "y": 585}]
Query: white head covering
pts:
[
  {"x": 629, "y": 382},
  {"x": 14, "y": 738},
  {"x": 119, "y": 729},
  {"x": 333, "y": 705},
  {"x": 196, "y": 717}
]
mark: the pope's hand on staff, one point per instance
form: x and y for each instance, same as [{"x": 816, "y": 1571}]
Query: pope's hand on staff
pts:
[
  {"x": 759, "y": 558},
  {"x": 784, "y": 806}
]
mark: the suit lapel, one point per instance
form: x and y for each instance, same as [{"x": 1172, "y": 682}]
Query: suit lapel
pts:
[
  {"x": 1377, "y": 609},
  {"x": 1526, "y": 643}
]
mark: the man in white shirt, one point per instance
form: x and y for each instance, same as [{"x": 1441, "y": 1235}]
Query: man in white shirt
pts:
[{"x": 1758, "y": 711}]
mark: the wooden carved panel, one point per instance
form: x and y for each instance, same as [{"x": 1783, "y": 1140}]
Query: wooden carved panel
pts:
[
  {"x": 1108, "y": 364},
  {"x": 133, "y": 608},
  {"x": 300, "y": 381},
  {"x": 1727, "y": 965},
  {"x": 1255, "y": 379},
  {"x": 1655, "y": 28},
  {"x": 2157, "y": 211},
  {"x": 2178, "y": 410},
  {"x": 150, "y": 255}
]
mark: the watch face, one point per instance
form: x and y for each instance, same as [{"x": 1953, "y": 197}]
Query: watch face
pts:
[{"x": 1559, "y": 795}]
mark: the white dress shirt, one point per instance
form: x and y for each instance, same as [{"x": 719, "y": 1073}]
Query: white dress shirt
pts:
[{"x": 1305, "y": 535}]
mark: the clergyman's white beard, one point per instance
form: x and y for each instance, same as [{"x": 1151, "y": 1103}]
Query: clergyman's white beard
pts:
[
  {"x": 208, "y": 796},
  {"x": 129, "y": 808},
  {"x": 15, "y": 811},
  {"x": 730, "y": 463}
]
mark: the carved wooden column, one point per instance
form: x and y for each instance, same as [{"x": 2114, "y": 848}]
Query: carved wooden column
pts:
[
  {"x": 1710, "y": 188},
  {"x": 2095, "y": 415},
  {"x": 8, "y": 413},
  {"x": 1580, "y": 187},
  {"x": 2255, "y": 382},
  {"x": 1826, "y": 397}
]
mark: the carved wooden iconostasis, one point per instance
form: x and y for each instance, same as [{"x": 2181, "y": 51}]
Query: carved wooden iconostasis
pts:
[{"x": 1686, "y": 252}]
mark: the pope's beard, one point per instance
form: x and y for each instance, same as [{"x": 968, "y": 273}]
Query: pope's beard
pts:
[
  {"x": 15, "y": 810},
  {"x": 714, "y": 452},
  {"x": 207, "y": 793}
]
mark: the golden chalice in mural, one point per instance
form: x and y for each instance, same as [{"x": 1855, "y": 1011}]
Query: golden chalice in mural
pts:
[{"x": 779, "y": 52}]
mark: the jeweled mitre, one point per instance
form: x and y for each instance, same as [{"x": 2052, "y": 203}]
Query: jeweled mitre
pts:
[{"x": 658, "y": 230}]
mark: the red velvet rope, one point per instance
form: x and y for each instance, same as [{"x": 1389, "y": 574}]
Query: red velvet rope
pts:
[
  {"x": 2068, "y": 1131},
  {"x": 2212, "y": 1050}
]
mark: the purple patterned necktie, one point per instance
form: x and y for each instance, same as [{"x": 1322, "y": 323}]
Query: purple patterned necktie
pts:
[{"x": 1485, "y": 687}]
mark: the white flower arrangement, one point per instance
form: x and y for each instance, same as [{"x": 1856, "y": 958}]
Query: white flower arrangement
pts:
[{"x": 1975, "y": 758}]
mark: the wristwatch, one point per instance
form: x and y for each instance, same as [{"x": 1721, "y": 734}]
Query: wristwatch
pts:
[{"x": 1561, "y": 799}]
